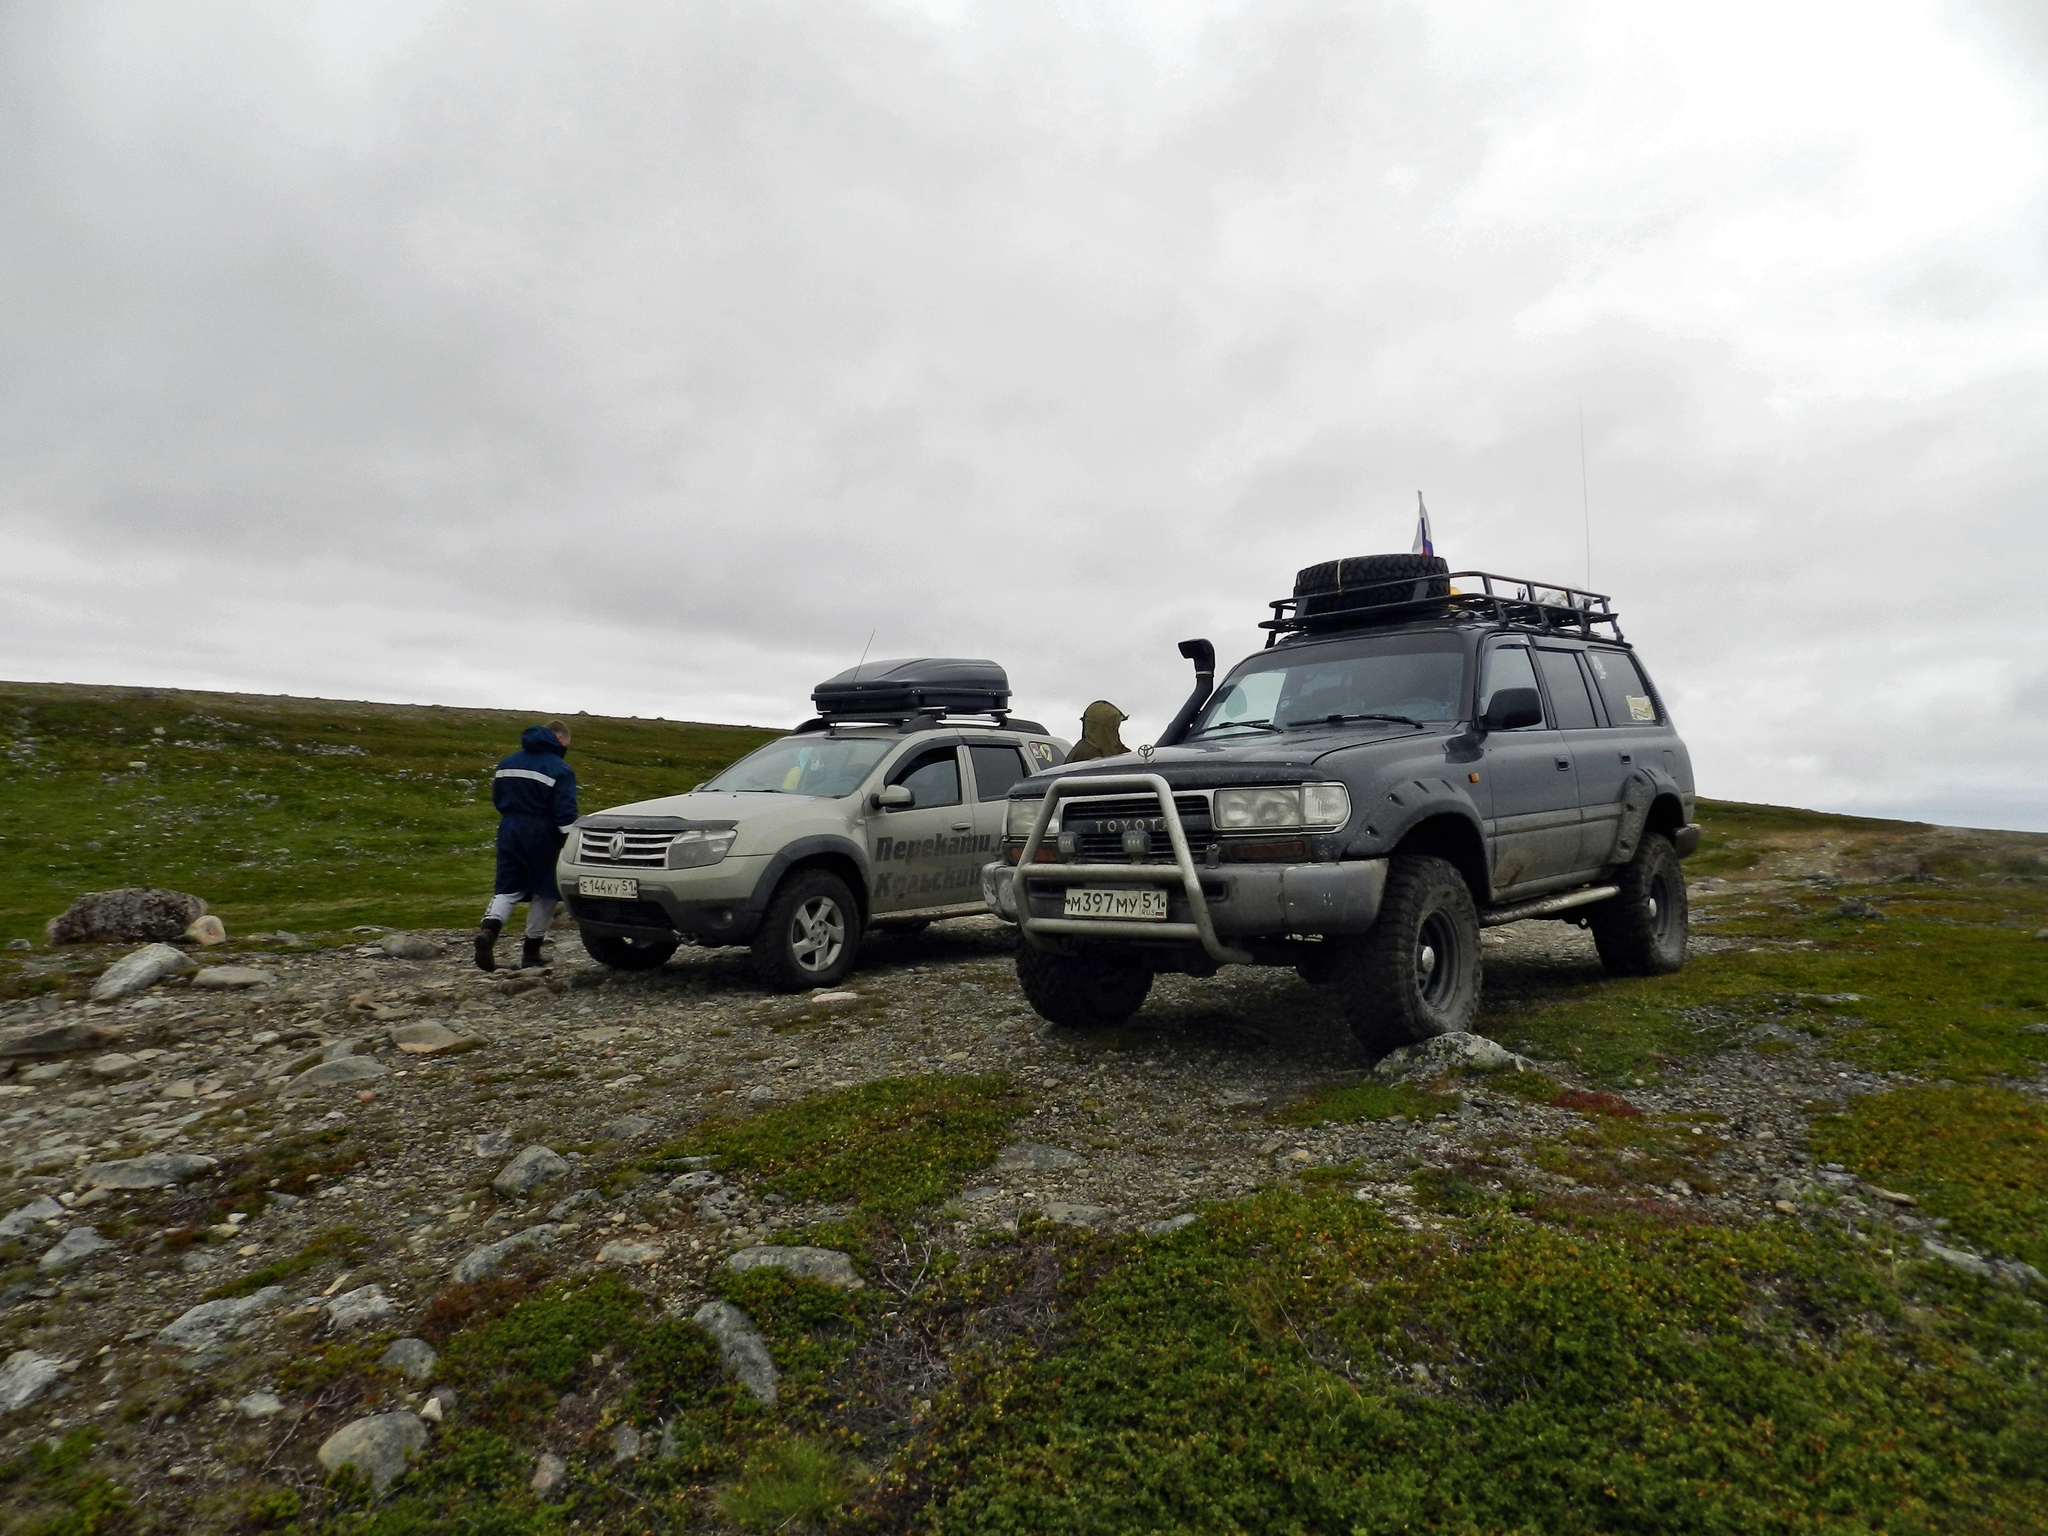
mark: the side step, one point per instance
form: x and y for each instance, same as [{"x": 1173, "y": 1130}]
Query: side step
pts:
[{"x": 1544, "y": 906}]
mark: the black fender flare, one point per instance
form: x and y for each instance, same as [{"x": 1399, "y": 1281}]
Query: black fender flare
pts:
[
  {"x": 1638, "y": 795},
  {"x": 791, "y": 854}
]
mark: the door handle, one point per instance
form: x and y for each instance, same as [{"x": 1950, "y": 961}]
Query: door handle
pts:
[
  {"x": 1564, "y": 762},
  {"x": 963, "y": 826}
]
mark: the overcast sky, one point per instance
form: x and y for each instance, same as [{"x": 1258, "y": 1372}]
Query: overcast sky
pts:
[{"x": 646, "y": 358}]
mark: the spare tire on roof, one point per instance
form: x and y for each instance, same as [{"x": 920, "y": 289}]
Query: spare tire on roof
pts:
[{"x": 1355, "y": 586}]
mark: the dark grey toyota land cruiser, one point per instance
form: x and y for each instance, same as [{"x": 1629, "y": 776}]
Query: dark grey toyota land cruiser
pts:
[{"x": 1416, "y": 755}]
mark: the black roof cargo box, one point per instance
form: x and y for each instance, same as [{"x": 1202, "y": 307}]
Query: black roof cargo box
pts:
[{"x": 891, "y": 689}]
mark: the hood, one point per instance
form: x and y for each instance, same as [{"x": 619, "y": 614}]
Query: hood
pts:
[
  {"x": 710, "y": 808},
  {"x": 1259, "y": 759},
  {"x": 538, "y": 738},
  {"x": 1099, "y": 722}
]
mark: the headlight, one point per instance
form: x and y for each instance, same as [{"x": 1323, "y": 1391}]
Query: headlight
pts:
[
  {"x": 693, "y": 850},
  {"x": 1023, "y": 814},
  {"x": 1306, "y": 805}
]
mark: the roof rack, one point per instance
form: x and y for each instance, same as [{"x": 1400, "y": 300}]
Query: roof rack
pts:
[
  {"x": 930, "y": 718},
  {"x": 1538, "y": 606}
]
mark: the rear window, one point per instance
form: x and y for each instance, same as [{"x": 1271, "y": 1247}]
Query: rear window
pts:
[
  {"x": 1567, "y": 686},
  {"x": 995, "y": 770},
  {"x": 1620, "y": 681}
]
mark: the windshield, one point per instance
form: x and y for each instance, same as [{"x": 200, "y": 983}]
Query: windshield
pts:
[
  {"x": 806, "y": 765},
  {"x": 1417, "y": 678}
]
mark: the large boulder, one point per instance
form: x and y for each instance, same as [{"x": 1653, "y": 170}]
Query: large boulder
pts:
[
  {"x": 134, "y": 912},
  {"x": 378, "y": 1447},
  {"x": 140, "y": 971}
]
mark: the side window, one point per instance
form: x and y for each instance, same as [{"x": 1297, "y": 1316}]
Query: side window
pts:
[
  {"x": 933, "y": 777},
  {"x": 995, "y": 770},
  {"x": 1508, "y": 666},
  {"x": 1620, "y": 681},
  {"x": 1568, "y": 694}
]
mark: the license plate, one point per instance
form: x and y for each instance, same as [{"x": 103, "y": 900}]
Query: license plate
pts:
[
  {"x": 1145, "y": 906},
  {"x": 607, "y": 885}
]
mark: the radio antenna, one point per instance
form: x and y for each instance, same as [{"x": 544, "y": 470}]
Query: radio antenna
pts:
[
  {"x": 863, "y": 656},
  {"x": 1585, "y": 497}
]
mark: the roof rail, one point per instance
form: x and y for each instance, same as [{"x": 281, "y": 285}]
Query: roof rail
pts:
[
  {"x": 906, "y": 721},
  {"x": 1540, "y": 607}
]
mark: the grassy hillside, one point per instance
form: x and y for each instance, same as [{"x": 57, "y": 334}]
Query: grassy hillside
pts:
[{"x": 288, "y": 813}]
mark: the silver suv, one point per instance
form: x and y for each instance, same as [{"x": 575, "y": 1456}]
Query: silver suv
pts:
[{"x": 880, "y": 813}]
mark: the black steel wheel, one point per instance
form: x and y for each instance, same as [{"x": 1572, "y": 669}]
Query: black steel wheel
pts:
[
  {"x": 1089, "y": 991},
  {"x": 810, "y": 935},
  {"x": 1415, "y": 972},
  {"x": 627, "y": 954},
  {"x": 1642, "y": 931}
]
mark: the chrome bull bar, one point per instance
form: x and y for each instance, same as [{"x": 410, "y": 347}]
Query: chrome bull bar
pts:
[{"x": 1180, "y": 872}]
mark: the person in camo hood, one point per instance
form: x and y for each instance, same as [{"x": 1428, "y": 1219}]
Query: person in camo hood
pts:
[
  {"x": 535, "y": 792},
  {"x": 1099, "y": 736}
]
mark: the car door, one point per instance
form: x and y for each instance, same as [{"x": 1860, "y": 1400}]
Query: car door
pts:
[
  {"x": 997, "y": 765},
  {"x": 925, "y": 854},
  {"x": 1580, "y": 724},
  {"x": 1528, "y": 782}
]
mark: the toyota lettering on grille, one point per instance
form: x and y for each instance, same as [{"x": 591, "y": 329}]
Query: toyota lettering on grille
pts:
[{"x": 1125, "y": 824}]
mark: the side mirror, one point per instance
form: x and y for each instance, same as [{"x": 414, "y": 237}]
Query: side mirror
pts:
[
  {"x": 892, "y": 798},
  {"x": 1513, "y": 708}
]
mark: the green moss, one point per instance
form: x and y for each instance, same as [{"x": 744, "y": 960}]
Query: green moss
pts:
[
  {"x": 1293, "y": 1363},
  {"x": 1347, "y": 1102},
  {"x": 888, "y": 1146},
  {"x": 342, "y": 1244},
  {"x": 52, "y": 1488},
  {"x": 1978, "y": 1156},
  {"x": 789, "y": 1483}
]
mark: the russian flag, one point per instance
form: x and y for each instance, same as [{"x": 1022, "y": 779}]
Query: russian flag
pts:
[{"x": 1424, "y": 544}]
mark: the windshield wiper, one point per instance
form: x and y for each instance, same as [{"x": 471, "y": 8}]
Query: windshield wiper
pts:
[
  {"x": 1253, "y": 725},
  {"x": 1302, "y": 725}
]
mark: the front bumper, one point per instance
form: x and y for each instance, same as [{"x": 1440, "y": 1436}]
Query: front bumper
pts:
[{"x": 713, "y": 905}]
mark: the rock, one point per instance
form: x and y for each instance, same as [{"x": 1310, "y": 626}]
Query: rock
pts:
[
  {"x": 575, "y": 1202},
  {"x": 741, "y": 1347},
  {"x": 50, "y": 1071},
  {"x": 231, "y": 978},
  {"x": 140, "y": 971},
  {"x": 829, "y": 998},
  {"x": 432, "y": 1411},
  {"x": 1036, "y": 1157},
  {"x": 343, "y": 1072},
  {"x": 115, "y": 1064},
  {"x": 364, "y": 1304},
  {"x": 134, "y": 912},
  {"x": 825, "y": 1265},
  {"x": 548, "y": 1472},
  {"x": 1857, "y": 909},
  {"x": 23, "y": 1378},
  {"x": 1168, "y": 1226},
  {"x": 210, "y": 1322},
  {"x": 626, "y": 1443},
  {"x": 378, "y": 1447},
  {"x": 30, "y": 1216},
  {"x": 484, "y": 1261},
  {"x": 207, "y": 930},
  {"x": 428, "y": 1038},
  {"x": 534, "y": 1166},
  {"x": 66, "y": 1039},
  {"x": 761, "y": 1095},
  {"x": 493, "y": 1144},
  {"x": 629, "y": 1253},
  {"x": 1074, "y": 1214},
  {"x": 260, "y": 1405},
  {"x": 1446, "y": 1053},
  {"x": 157, "y": 1170},
  {"x": 1968, "y": 1263},
  {"x": 19, "y": 944},
  {"x": 411, "y": 1358},
  {"x": 73, "y": 1248},
  {"x": 627, "y": 1128},
  {"x": 411, "y": 946},
  {"x": 700, "y": 1178}
]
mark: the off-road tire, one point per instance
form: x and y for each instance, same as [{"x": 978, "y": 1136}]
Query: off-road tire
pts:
[
  {"x": 810, "y": 934},
  {"x": 623, "y": 954},
  {"x": 1642, "y": 931},
  {"x": 1081, "y": 991},
  {"x": 1318, "y": 967},
  {"x": 1415, "y": 973},
  {"x": 1340, "y": 586}
]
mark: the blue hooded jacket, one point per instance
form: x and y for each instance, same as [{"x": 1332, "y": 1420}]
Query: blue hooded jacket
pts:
[{"x": 537, "y": 781}]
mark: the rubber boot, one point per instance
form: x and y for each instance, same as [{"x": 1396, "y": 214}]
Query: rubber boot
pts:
[
  {"x": 529, "y": 954},
  {"x": 487, "y": 944}
]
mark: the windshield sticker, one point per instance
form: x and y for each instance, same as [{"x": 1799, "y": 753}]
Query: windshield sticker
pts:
[{"x": 1640, "y": 708}]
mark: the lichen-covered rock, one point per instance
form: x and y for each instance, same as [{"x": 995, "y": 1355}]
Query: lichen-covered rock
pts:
[
  {"x": 133, "y": 912},
  {"x": 828, "y": 1266},
  {"x": 534, "y": 1166},
  {"x": 1459, "y": 1050},
  {"x": 742, "y": 1348},
  {"x": 379, "y": 1447}
]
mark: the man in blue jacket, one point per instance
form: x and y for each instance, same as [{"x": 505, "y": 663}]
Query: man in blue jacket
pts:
[{"x": 535, "y": 792}]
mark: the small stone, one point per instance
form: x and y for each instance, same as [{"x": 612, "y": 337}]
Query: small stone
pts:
[
  {"x": 534, "y": 1166},
  {"x": 828, "y": 1266},
  {"x": 156, "y": 1170},
  {"x": 1075, "y": 1214},
  {"x": 1968, "y": 1263},
  {"x": 73, "y": 1248},
  {"x": 206, "y": 930},
  {"x": 484, "y": 1261},
  {"x": 411, "y": 946},
  {"x": 365, "y": 1304},
  {"x": 378, "y": 1447},
  {"x": 493, "y": 1144},
  {"x": 260, "y": 1405},
  {"x": 1857, "y": 909},
  {"x": 1680, "y": 1187},
  {"x": 627, "y": 1128},
  {"x": 431, "y": 1410},
  {"x": 210, "y": 1322},
  {"x": 231, "y": 978},
  {"x": 741, "y": 1347},
  {"x": 1444, "y": 1053},
  {"x": 115, "y": 1064},
  {"x": 626, "y": 1443},
  {"x": 629, "y": 1253},
  {"x": 548, "y": 1472},
  {"x": 342, "y": 1072},
  {"x": 1785, "y": 1206},
  {"x": 700, "y": 1178},
  {"x": 761, "y": 1095},
  {"x": 829, "y": 998},
  {"x": 1888, "y": 1196},
  {"x": 569, "y": 1204},
  {"x": 1036, "y": 1157},
  {"x": 411, "y": 1358},
  {"x": 30, "y": 1216},
  {"x": 19, "y": 944},
  {"x": 428, "y": 1038},
  {"x": 140, "y": 971},
  {"x": 1169, "y": 1225},
  {"x": 23, "y": 1378},
  {"x": 50, "y": 1071}
]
